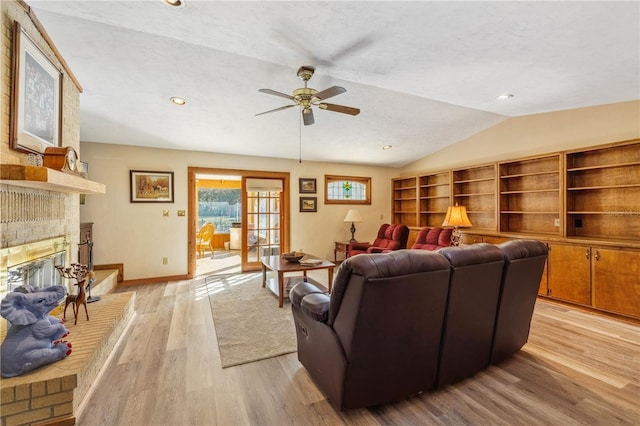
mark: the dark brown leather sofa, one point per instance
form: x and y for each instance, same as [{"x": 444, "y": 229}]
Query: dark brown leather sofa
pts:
[
  {"x": 389, "y": 329},
  {"x": 377, "y": 338}
]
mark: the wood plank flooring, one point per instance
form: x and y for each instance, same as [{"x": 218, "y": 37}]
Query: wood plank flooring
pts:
[{"x": 578, "y": 368}]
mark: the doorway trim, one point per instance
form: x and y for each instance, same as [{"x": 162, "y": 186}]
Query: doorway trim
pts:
[{"x": 192, "y": 210}]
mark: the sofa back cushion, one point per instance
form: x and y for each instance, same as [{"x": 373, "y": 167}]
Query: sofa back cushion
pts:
[
  {"x": 523, "y": 268},
  {"x": 387, "y": 311},
  {"x": 432, "y": 238},
  {"x": 476, "y": 275},
  {"x": 392, "y": 237}
]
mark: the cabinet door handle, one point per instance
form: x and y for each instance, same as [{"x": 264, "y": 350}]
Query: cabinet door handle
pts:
[
  {"x": 587, "y": 253},
  {"x": 597, "y": 255}
]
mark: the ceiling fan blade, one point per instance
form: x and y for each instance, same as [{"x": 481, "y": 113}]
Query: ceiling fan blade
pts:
[
  {"x": 307, "y": 116},
  {"x": 274, "y": 110},
  {"x": 340, "y": 108},
  {"x": 331, "y": 91},
  {"x": 273, "y": 92}
]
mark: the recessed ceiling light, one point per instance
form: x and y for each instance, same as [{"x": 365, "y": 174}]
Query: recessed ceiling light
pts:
[
  {"x": 505, "y": 96},
  {"x": 387, "y": 147},
  {"x": 178, "y": 101},
  {"x": 174, "y": 3}
]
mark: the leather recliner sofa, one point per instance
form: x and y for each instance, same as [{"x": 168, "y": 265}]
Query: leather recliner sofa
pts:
[{"x": 385, "y": 331}]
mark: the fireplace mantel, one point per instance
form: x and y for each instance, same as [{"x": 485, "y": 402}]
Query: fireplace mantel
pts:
[{"x": 48, "y": 179}]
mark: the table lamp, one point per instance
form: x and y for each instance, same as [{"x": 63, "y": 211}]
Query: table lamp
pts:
[
  {"x": 353, "y": 216},
  {"x": 457, "y": 218}
]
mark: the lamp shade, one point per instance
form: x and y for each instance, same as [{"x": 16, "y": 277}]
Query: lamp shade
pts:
[
  {"x": 456, "y": 216},
  {"x": 353, "y": 215}
]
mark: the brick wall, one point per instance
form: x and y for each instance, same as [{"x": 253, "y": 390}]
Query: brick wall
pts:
[
  {"x": 38, "y": 400},
  {"x": 21, "y": 232}
]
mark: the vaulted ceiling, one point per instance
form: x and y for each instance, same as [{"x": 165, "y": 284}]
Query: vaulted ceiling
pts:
[{"x": 425, "y": 74}]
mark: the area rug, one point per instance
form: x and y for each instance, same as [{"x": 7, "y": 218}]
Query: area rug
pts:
[{"x": 248, "y": 322}]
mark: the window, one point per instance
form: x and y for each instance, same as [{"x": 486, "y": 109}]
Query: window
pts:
[{"x": 347, "y": 190}]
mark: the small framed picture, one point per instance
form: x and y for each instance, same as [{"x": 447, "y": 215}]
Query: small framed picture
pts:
[
  {"x": 307, "y": 186},
  {"x": 151, "y": 187},
  {"x": 308, "y": 204}
]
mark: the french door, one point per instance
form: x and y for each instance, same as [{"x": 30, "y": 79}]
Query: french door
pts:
[
  {"x": 265, "y": 210},
  {"x": 262, "y": 232}
]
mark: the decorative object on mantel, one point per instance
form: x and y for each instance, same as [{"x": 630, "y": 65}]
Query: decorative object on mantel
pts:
[
  {"x": 64, "y": 159},
  {"x": 24, "y": 348},
  {"x": 78, "y": 272},
  {"x": 34, "y": 160},
  {"x": 457, "y": 218},
  {"x": 36, "y": 108},
  {"x": 353, "y": 216}
]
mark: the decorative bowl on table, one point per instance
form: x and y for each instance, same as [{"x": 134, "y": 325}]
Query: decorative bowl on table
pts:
[{"x": 293, "y": 257}]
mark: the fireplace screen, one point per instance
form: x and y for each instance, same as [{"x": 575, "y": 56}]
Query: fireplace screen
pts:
[{"x": 39, "y": 272}]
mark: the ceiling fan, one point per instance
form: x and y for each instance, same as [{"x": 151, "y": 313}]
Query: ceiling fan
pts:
[{"x": 307, "y": 97}]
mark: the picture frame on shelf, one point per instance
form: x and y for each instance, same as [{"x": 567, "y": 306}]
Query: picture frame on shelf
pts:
[
  {"x": 151, "y": 187},
  {"x": 309, "y": 204},
  {"x": 36, "y": 107},
  {"x": 307, "y": 185}
]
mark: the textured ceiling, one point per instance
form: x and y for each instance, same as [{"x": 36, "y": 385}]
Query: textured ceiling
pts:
[{"x": 424, "y": 74}]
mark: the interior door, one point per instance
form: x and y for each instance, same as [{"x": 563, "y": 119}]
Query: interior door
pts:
[{"x": 262, "y": 233}]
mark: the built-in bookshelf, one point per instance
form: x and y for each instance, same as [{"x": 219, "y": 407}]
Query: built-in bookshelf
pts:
[
  {"x": 475, "y": 188},
  {"x": 404, "y": 198},
  {"x": 530, "y": 197},
  {"x": 434, "y": 198},
  {"x": 584, "y": 204},
  {"x": 603, "y": 192}
]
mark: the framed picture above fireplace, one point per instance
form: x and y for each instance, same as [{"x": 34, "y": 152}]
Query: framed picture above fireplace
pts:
[{"x": 36, "y": 97}]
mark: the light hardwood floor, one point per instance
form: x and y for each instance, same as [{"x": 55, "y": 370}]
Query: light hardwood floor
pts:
[{"x": 578, "y": 368}]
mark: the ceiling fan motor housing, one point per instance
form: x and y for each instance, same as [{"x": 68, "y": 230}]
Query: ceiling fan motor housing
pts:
[{"x": 305, "y": 72}]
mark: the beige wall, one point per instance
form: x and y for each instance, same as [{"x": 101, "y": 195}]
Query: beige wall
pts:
[
  {"x": 139, "y": 236},
  {"x": 538, "y": 134}
]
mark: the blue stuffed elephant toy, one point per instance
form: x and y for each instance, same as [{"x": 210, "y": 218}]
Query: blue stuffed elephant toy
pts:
[{"x": 33, "y": 339}]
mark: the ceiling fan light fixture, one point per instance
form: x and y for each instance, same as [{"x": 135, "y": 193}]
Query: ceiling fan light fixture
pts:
[
  {"x": 505, "y": 96},
  {"x": 178, "y": 101},
  {"x": 174, "y": 3}
]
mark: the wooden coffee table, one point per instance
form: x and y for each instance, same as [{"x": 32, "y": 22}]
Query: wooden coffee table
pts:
[{"x": 281, "y": 266}]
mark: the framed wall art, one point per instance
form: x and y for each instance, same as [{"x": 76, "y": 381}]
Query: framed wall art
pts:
[
  {"x": 308, "y": 204},
  {"x": 307, "y": 186},
  {"x": 151, "y": 187},
  {"x": 36, "y": 108}
]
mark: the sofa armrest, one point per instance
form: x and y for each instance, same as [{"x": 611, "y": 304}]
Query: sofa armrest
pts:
[
  {"x": 359, "y": 246},
  {"x": 300, "y": 290},
  {"x": 316, "y": 306},
  {"x": 374, "y": 249}
]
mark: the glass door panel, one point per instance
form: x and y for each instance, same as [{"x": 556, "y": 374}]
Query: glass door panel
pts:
[{"x": 263, "y": 235}]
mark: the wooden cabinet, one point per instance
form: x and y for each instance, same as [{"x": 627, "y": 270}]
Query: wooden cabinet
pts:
[
  {"x": 475, "y": 188},
  {"x": 603, "y": 193},
  {"x": 615, "y": 276},
  {"x": 530, "y": 196},
  {"x": 434, "y": 198},
  {"x": 569, "y": 273},
  {"x": 600, "y": 277},
  {"x": 404, "y": 201}
]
